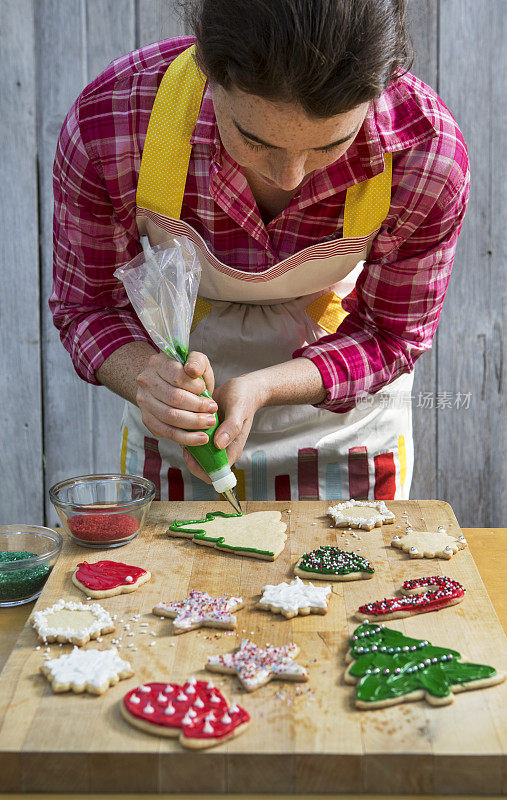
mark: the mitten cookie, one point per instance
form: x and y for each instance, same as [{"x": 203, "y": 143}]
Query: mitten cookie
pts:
[
  {"x": 108, "y": 578},
  {"x": 331, "y": 563}
]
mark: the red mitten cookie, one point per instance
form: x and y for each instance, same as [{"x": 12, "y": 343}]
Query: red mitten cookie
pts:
[{"x": 108, "y": 578}]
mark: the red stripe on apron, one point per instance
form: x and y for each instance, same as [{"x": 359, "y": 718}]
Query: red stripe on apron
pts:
[
  {"x": 359, "y": 479},
  {"x": 308, "y": 474},
  {"x": 282, "y": 487},
  {"x": 175, "y": 484},
  {"x": 152, "y": 463},
  {"x": 385, "y": 476}
]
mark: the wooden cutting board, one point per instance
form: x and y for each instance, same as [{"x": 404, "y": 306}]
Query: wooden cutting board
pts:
[{"x": 303, "y": 737}]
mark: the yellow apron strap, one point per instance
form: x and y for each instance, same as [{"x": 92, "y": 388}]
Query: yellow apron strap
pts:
[
  {"x": 367, "y": 203},
  {"x": 167, "y": 148}
]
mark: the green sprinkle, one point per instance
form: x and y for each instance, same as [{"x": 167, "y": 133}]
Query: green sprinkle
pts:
[{"x": 19, "y": 583}]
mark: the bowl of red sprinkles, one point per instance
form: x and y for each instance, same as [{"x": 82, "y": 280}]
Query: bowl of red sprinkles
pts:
[{"x": 103, "y": 510}]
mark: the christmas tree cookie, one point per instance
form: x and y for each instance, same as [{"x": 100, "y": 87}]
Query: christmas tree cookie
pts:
[
  {"x": 365, "y": 514},
  {"x": 331, "y": 563},
  {"x": 260, "y": 535},
  {"x": 419, "y": 595},
  {"x": 389, "y": 667}
]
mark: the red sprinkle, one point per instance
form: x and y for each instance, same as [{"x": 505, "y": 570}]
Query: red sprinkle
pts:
[{"x": 102, "y": 527}]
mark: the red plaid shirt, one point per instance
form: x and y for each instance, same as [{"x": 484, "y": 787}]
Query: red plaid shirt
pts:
[{"x": 394, "y": 311}]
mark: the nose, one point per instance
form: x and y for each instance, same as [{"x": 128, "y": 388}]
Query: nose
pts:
[{"x": 289, "y": 173}]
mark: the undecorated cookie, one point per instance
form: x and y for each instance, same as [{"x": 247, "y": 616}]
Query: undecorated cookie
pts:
[
  {"x": 419, "y": 595},
  {"x": 429, "y": 544},
  {"x": 196, "y": 712},
  {"x": 108, "y": 578},
  {"x": 260, "y": 535},
  {"x": 255, "y": 666},
  {"x": 365, "y": 514},
  {"x": 331, "y": 563},
  {"x": 92, "y": 671},
  {"x": 296, "y": 597},
  {"x": 200, "y": 609},
  {"x": 67, "y": 621}
]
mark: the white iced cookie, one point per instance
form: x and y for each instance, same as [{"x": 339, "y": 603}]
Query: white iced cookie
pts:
[
  {"x": 260, "y": 535},
  {"x": 365, "y": 514},
  {"x": 92, "y": 671},
  {"x": 429, "y": 544},
  {"x": 296, "y": 597},
  {"x": 68, "y": 621}
]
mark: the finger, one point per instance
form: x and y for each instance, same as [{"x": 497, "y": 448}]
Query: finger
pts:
[
  {"x": 178, "y": 398},
  {"x": 235, "y": 450},
  {"x": 197, "y": 365},
  {"x": 194, "y": 467},
  {"x": 176, "y": 417},
  {"x": 174, "y": 373},
  {"x": 162, "y": 430},
  {"x": 227, "y": 432}
]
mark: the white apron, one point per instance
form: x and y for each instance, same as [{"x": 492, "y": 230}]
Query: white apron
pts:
[{"x": 248, "y": 321}]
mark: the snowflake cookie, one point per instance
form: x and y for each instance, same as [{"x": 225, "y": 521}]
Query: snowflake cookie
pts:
[
  {"x": 255, "y": 666},
  {"x": 331, "y": 563},
  {"x": 196, "y": 712},
  {"x": 365, "y": 514},
  {"x": 296, "y": 597},
  {"x": 418, "y": 595},
  {"x": 200, "y": 609},
  {"x": 389, "y": 667},
  {"x": 429, "y": 544},
  {"x": 67, "y": 621},
  {"x": 108, "y": 578},
  {"x": 92, "y": 671}
]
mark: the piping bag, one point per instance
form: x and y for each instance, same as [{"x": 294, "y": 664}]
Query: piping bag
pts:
[{"x": 162, "y": 283}]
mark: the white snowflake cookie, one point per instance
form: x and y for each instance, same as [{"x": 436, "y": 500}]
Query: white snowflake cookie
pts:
[
  {"x": 365, "y": 514},
  {"x": 68, "y": 621},
  {"x": 296, "y": 597},
  {"x": 92, "y": 671}
]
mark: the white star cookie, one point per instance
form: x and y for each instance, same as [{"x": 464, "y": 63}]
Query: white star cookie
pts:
[
  {"x": 201, "y": 609},
  {"x": 255, "y": 666},
  {"x": 429, "y": 544},
  {"x": 296, "y": 597},
  {"x": 92, "y": 671},
  {"x": 68, "y": 621},
  {"x": 365, "y": 514}
]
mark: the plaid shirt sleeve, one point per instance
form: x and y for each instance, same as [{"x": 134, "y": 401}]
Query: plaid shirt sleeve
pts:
[
  {"x": 394, "y": 310},
  {"x": 90, "y": 241}
]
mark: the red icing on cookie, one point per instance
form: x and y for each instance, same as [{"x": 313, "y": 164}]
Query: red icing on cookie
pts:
[
  {"x": 199, "y": 711},
  {"x": 446, "y": 591},
  {"x": 105, "y": 575}
]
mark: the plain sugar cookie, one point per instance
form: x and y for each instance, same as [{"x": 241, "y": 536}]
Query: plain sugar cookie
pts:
[{"x": 429, "y": 544}]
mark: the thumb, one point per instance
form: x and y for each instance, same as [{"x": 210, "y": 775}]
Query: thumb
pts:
[{"x": 227, "y": 432}]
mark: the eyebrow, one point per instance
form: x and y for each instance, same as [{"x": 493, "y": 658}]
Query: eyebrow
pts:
[{"x": 274, "y": 147}]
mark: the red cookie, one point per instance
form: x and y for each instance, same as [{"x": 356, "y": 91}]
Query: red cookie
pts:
[
  {"x": 440, "y": 592},
  {"x": 197, "y": 712},
  {"x": 107, "y": 578}
]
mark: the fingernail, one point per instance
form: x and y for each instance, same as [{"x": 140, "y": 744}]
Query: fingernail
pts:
[
  {"x": 210, "y": 421},
  {"x": 212, "y": 407},
  {"x": 223, "y": 440}
]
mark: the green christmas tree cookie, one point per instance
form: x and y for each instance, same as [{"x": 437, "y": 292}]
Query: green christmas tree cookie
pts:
[{"x": 389, "y": 667}]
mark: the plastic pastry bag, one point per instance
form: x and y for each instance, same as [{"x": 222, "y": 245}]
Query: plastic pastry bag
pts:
[{"x": 162, "y": 284}]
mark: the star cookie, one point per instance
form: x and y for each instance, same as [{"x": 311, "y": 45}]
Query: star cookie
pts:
[
  {"x": 200, "y": 609},
  {"x": 331, "y": 563},
  {"x": 196, "y": 712},
  {"x": 429, "y": 544},
  {"x": 365, "y": 514},
  {"x": 108, "y": 578},
  {"x": 260, "y": 535},
  {"x": 255, "y": 666},
  {"x": 92, "y": 671},
  {"x": 296, "y": 597},
  {"x": 67, "y": 621},
  {"x": 419, "y": 595}
]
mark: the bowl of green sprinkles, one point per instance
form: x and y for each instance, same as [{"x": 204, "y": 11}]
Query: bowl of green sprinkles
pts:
[{"x": 27, "y": 556}]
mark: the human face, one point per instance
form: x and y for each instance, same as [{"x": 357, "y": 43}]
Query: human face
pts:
[{"x": 278, "y": 142}]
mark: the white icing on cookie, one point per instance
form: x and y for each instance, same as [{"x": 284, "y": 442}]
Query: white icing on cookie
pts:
[
  {"x": 360, "y": 514},
  {"x": 69, "y": 619},
  {"x": 289, "y": 598},
  {"x": 96, "y": 668}
]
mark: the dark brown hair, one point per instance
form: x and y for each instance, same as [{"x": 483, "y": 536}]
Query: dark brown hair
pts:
[{"x": 328, "y": 56}]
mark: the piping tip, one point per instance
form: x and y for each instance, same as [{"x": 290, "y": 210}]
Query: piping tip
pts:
[{"x": 232, "y": 496}]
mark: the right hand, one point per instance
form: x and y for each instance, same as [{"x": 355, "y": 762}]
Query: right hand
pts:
[{"x": 168, "y": 398}]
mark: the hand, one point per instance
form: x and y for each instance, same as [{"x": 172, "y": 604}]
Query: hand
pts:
[{"x": 168, "y": 398}]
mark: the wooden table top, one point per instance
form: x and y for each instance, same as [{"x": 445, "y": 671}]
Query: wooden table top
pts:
[{"x": 488, "y": 547}]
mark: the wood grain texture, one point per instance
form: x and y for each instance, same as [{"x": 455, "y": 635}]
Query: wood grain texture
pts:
[{"x": 303, "y": 739}]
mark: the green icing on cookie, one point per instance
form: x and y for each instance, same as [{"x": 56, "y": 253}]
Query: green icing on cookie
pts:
[
  {"x": 203, "y": 536},
  {"x": 389, "y": 665},
  {"x": 329, "y": 560}
]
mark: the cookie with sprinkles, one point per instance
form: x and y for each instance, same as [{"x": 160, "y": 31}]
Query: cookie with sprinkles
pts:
[
  {"x": 201, "y": 609},
  {"x": 418, "y": 596},
  {"x": 329, "y": 563},
  {"x": 255, "y": 665},
  {"x": 365, "y": 514}
]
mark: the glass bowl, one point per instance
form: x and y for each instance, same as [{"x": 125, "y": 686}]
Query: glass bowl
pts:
[
  {"x": 103, "y": 510},
  {"x": 27, "y": 556}
]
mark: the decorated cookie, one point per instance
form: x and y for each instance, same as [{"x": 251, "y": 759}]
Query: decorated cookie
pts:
[
  {"x": 389, "y": 667},
  {"x": 92, "y": 671},
  {"x": 260, "y": 535},
  {"x": 255, "y": 666},
  {"x": 196, "y": 711},
  {"x": 107, "y": 578},
  {"x": 429, "y": 544},
  {"x": 419, "y": 595},
  {"x": 331, "y": 563},
  {"x": 296, "y": 597},
  {"x": 200, "y": 609},
  {"x": 365, "y": 514},
  {"x": 67, "y": 621}
]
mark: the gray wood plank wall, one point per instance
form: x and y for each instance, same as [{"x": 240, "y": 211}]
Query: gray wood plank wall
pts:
[{"x": 54, "y": 425}]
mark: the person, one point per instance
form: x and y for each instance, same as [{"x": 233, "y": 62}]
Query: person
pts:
[{"x": 323, "y": 187}]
